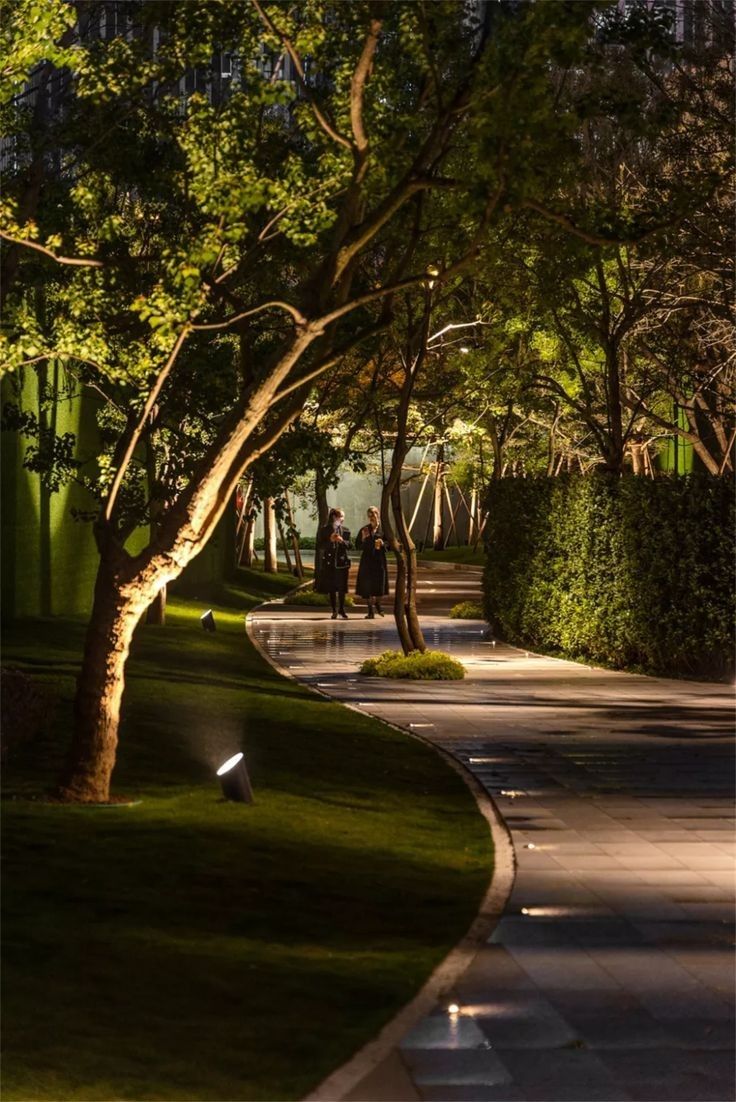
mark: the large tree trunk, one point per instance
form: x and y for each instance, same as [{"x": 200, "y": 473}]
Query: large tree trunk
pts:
[
  {"x": 270, "y": 558},
  {"x": 116, "y": 610}
]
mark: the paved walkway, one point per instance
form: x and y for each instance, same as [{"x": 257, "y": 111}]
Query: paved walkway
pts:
[{"x": 610, "y": 974}]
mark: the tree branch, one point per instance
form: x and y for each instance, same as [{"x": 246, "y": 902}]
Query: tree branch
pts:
[
  {"x": 75, "y": 261},
  {"x": 319, "y": 115},
  {"x": 135, "y": 435},
  {"x": 275, "y": 305}
]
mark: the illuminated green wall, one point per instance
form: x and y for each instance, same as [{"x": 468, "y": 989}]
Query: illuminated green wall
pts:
[{"x": 48, "y": 559}]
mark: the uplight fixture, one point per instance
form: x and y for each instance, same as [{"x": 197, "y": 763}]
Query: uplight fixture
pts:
[
  {"x": 207, "y": 620},
  {"x": 234, "y": 780},
  {"x": 453, "y": 1010}
]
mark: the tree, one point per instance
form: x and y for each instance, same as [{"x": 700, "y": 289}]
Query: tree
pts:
[{"x": 231, "y": 239}]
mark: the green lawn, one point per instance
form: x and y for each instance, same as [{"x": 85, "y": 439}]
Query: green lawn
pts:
[
  {"x": 464, "y": 555},
  {"x": 186, "y": 948}
]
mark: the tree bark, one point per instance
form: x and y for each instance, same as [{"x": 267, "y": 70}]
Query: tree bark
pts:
[
  {"x": 294, "y": 537},
  {"x": 414, "y": 628},
  {"x": 156, "y": 612},
  {"x": 400, "y": 584},
  {"x": 270, "y": 558},
  {"x": 438, "y": 528},
  {"x": 117, "y": 608},
  {"x": 285, "y": 545}
]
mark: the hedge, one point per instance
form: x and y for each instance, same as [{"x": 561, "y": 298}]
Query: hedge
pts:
[{"x": 628, "y": 572}]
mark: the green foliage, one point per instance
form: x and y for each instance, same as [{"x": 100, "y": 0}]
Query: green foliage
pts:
[
  {"x": 630, "y": 572},
  {"x": 310, "y": 598},
  {"x": 467, "y": 610},
  {"x": 430, "y": 665}
]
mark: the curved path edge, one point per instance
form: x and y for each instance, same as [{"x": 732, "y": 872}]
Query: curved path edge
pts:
[{"x": 383, "y": 1048}]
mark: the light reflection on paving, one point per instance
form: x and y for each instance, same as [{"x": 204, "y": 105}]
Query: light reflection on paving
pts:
[{"x": 609, "y": 976}]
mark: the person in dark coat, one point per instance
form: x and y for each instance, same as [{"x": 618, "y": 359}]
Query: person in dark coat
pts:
[
  {"x": 333, "y": 540},
  {"x": 372, "y": 581}
]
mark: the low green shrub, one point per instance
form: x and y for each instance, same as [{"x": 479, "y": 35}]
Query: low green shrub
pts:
[
  {"x": 24, "y": 709},
  {"x": 310, "y": 597},
  {"x": 432, "y": 665},
  {"x": 467, "y": 610}
]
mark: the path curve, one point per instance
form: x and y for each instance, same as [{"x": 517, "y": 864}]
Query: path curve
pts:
[{"x": 609, "y": 976}]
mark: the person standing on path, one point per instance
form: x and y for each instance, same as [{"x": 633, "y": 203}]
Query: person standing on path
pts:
[
  {"x": 372, "y": 581},
  {"x": 333, "y": 540}
]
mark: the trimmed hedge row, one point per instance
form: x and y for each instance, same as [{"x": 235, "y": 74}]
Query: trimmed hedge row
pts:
[{"x": 629, "y": 572}]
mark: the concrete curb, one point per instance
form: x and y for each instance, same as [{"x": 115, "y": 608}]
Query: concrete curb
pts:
[{"x": 383, "y": 1049}]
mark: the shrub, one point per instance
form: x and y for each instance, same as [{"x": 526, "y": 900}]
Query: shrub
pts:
[
  {"x": 432, "y": 665},
  {"x": 310, "y": 597},
  {"x": 467, "y": 610},
  {"x": 24, "y": 709},
  {"x": 630, "y": 572}
]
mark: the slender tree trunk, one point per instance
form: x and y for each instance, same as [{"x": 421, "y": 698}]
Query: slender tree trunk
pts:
[
  {"x": 473, "y": 515},
  {"x": 396, "y": 546},
  {"x": 498, "y": 469},
  {"x": 285, "y": 546},
  {"x": 614, "y": 460},
  {"x": 438, "y": 527},
  {"x": 156, "y": 612},
  {"x": 116, "y": 611},
  {"x": 270, "y": 559},
  {"x": 294, "y": 537},
  {"x": 248, "y": 546},
  {"x": 409, "y": 557},
  {"x": 323, "y": 512}
]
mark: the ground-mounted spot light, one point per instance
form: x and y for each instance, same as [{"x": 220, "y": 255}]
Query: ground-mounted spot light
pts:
[
  {"x": 464, "y": 349},
  {"x": 235, "y": 781},
  {"x": 525, "y": 911},
  {"x": 207, "y": 620},
  {"x": 530, "y": 845},
  {"x": 453, "y": 1010}
]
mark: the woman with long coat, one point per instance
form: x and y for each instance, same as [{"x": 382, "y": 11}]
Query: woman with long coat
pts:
[
  {"x": 333, "y": 541},
  {"x": 372, "y": 581}
]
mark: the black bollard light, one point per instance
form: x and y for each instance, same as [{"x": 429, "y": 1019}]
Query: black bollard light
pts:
[
  {"x": 207, "y": 620},
  {"x": 235, "y": 781}
]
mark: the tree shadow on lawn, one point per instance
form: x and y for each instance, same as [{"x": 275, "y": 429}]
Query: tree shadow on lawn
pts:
[{"x": 257, "y": 947}]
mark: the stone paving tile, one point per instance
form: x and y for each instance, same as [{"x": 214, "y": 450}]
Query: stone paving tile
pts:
[
  {"x": 564, "y": 1075},
  {"x": 495, "y": 970},
  {"x": 444, "y": 1031},
  {"x": 432, "y": 1067},
  {"x": 691, "y": 1075},
  {"x": 616, "y": 984},
  {"x": 522, "y": 1019},
  {"x": 507, "y": 1092}
]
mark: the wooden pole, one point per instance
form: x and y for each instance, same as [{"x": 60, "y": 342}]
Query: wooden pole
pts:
[{"x": 419, "y": 502}]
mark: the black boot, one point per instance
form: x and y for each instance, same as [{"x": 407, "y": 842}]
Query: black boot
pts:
[
  {"x": 378, "y": 608},
  {"x": 370, "y": 615},
  {"x": 333, "y": 602},
  {"x": 342, "y": 613}
]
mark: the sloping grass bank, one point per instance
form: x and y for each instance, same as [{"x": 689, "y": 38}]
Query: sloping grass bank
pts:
[{"x": 186, "y": 948}]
